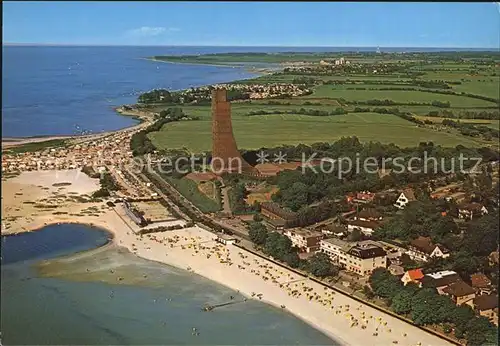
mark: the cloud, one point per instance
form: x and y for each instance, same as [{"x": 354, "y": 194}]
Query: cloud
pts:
[{"x": 149, "y": 31}]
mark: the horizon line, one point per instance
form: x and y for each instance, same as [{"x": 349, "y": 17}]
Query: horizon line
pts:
[{"x": 228, "y": 46}]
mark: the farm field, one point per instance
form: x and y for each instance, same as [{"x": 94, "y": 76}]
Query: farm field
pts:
[
  {"x": 327, "y": 91},
  {"x": 488, "y": 87},
  {"x": 254, "y": 132}
]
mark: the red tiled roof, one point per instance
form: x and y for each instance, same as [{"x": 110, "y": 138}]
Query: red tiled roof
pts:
[{"x": 415, "y": 274}]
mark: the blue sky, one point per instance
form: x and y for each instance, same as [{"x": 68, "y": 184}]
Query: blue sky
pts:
[{"x": 347, "y": 24}]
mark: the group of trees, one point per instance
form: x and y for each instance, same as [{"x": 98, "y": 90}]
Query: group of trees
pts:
[
  {"x": 432, "y": 84},
  {"x": 494, "y": 115},
  {"x": 108, "y": 184},
  {"x": 472, "y": 130},
  {"x": 470, "y": 250},
  {"x": 310, "y": 192},
  {"x": 279, "y": 247},
  {"x": 440, "y": 104},
  {"x": 274, "y": 244},
  {"x": 311, "y": 112},
  {"x": 156, "y": 95},
  {"x": 237, "y": 197},
  {"x": 426, "y": 307},
  {"x": 304, "y": 80},
  {"x": 313, "y": 186},
  {"x": 195, "y": 95},
  {"x": 419, "y": 218}
]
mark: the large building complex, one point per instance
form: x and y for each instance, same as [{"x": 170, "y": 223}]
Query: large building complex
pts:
[{"x": 358, "y": 257}]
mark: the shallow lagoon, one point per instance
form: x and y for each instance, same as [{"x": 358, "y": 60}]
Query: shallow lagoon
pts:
[{"x": 79, "y": 299}]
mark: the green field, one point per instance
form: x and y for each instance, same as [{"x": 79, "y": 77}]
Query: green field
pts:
[
  {"x": 327, "y": 91},
  {"x": 482, "y": 86},
  {"x": 273, "y": 130},
  {"x": 253, "y": 132},
  {"x": 189, "y": 189}
]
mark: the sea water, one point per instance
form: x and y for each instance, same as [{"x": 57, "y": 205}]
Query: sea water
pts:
[
  {"x": 74, "y": 90},
  {"x": 76, "y": 299}
]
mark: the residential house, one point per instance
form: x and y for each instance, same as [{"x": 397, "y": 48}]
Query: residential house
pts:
[
  {"x": 469, "y": 211},
  {"x": 413, "y": 275},
  {"x": 422, "y": 249},
  {"x": 439, "y": 280},
  {"x": 276, "y": 224},
  {"x": 460, "y": 292},
  {"x": 368, "y": 214},
  {"x": 366, "y": 227},
  {"x": 487, "y": 306},
  {"x": 406, "y": 196},
  {"x": 362, "y": 197},
  {"x": 273, "y": 211},
  {"x": 396, "y": 270},
  {"x": 333, "y": 230},
  {"x": 481, "y": 283},
  {"x": 306, "y": 240},
  {"x": 358, "y": 257}
]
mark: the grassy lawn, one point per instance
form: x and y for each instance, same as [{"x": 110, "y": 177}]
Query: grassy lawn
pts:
[
  {"x": 189, "y": 189},
  {"x": 327, "y": 91},
  {"x": 273, "y": 130}
]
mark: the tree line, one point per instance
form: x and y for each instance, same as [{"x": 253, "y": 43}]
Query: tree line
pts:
[
  {"x": 280, "y": 248},
  {"x": 495, "y": 115}
]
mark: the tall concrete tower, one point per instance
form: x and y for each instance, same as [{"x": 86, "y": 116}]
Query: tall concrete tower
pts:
[{"x": 225, "y": 154}]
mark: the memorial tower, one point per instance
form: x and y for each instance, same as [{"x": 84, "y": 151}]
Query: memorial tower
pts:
[{"x": 225, "y": 154}]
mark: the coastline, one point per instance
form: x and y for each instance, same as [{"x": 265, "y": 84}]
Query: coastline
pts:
[
  {"x": 328, "y": 313},
  {"x": 260, "y": 71},
  {"x": 142, "y": 117}
]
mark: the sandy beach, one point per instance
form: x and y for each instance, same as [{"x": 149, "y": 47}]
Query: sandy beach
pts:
[{"x": 337, "y": 315}]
